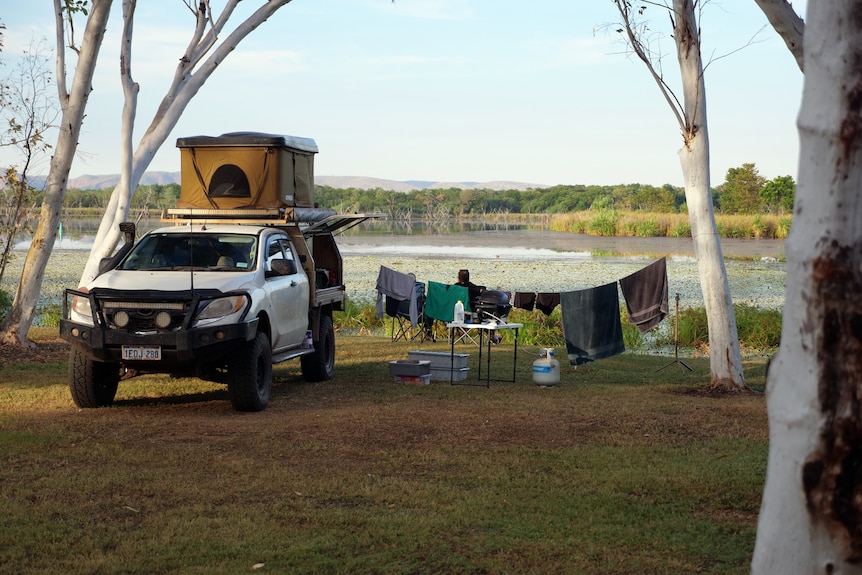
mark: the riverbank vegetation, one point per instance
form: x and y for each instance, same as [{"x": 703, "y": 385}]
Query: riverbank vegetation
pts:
[
  {"x": 759, "y": 329},
  {"x": 747, "y": 206}
]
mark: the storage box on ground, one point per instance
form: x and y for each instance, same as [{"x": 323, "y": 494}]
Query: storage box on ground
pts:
[
  {"x": 444, "y": 366},
  {"x": 409, "y": 367},
  {"x": 414, "y": 379}
]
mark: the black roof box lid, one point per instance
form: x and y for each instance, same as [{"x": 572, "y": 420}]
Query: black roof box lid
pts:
[{"x": 250, "y": 139}]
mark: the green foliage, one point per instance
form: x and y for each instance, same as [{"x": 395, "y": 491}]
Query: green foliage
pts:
[
  {"x": 778, "y": 195},
  {"x": 632, "y": 336},
  {"x": 741, "y": 191},
  {"x": 5, "y": 303},
  {"x": 49, "y": 315},
  {"x": 648, "y": 229},
  {"x": 604, "y": 223},
  {"x": 356, "y": 319},
  {"x": 693, "y": 331},
  {"x": 783, "y": 227},
  {"x": 539, "y": 330},
  {"x": 758, "y": 329},
  {"x": 680, "y": 230}
]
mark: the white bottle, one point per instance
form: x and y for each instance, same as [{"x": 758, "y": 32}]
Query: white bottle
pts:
[{"x": 459, "y": 312}]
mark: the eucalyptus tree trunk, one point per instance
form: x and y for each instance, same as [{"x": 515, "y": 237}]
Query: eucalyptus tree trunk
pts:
[
  {"x": 810, "y": 514},
  {"x": 787, "y": 23},
  {"x": 191, "y": 73},
  {"x": 73, "y": 104},
  {"x": 725, "y": 361}
]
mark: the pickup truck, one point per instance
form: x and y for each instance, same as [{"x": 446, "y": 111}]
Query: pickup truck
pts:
[{"x": 223, "y": 293}]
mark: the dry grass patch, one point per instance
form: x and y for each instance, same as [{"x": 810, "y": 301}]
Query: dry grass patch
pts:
[{"x": 612, "y": 471}]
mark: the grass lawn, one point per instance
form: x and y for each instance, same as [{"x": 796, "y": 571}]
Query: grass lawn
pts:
[{"x": 619, "y": 469}]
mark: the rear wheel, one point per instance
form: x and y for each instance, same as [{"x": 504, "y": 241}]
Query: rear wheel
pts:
[
  {"x": 250, "y": 375},
  {"x": 320, "y": 365},
  {"x": 92, "y": 383}
]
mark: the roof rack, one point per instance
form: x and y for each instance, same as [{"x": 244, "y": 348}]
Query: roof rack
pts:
[{"x": 259, "y": 216}]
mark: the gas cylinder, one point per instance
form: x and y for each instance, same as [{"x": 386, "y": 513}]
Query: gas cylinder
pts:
[{"x": 546, "y": 369}]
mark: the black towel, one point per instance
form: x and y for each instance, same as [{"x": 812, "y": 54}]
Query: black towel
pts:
[
  {"x": 525, "y": 300},
  {"x": 546, "y": 302},
  {"x": 591, "y": 323},
  {"x": 646, "y": 295}
]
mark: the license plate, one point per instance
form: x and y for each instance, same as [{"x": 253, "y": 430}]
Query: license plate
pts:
[{"x": 142, "y": 352}]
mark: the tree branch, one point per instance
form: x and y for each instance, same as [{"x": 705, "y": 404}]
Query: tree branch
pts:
[{"x": 788, "y": 24}]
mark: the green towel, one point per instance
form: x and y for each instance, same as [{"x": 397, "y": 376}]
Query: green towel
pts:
[{"x": 440, "y": 300}]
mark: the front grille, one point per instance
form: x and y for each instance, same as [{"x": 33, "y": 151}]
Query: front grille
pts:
[{"x": 144, "y": 317}]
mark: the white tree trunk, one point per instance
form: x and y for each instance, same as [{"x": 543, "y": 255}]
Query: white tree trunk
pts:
[
  {"x": 724, "y": 355},
  {"x": 810, "y": 514},
  {"x": 20, "y": 317},
  {"x": 187, "y": 81},
  {"x": 787, "y": 23}
]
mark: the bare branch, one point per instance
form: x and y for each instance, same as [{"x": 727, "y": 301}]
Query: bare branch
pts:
[
  {"x": 60, "y": 41},
  {"x": 643, "y": 52}
]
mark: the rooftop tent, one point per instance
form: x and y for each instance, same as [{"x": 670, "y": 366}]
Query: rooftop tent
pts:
[{"x": 246, "y": 170}]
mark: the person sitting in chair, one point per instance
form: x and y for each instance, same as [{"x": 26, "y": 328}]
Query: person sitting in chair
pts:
[{"x": 474, "y": 290}]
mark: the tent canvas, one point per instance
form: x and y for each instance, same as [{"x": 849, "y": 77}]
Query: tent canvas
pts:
[{"x": 246, "y": 170}]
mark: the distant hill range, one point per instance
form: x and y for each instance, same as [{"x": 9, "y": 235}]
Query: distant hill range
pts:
[{"x": 340, "y": 182}]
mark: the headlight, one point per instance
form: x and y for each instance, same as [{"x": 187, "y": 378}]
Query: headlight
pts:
[
  {"x": 81, "y": 305},
  {"x": 222, "y": 307}
]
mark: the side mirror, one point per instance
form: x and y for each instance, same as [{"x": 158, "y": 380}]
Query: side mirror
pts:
[{"x": 283, "y": 267}]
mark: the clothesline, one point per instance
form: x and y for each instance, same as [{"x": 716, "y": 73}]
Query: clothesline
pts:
[{"x": 590, "y": 317}]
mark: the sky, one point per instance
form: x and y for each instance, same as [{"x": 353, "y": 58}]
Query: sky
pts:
[{"x": 449, "y": 90}]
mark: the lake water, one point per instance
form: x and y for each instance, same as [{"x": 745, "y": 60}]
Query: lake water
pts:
[{"x": 507, "y": 257}]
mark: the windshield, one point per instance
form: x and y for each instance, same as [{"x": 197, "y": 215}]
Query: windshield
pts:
[{"x": 227, "y": 252}]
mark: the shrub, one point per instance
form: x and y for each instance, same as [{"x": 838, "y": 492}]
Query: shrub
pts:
[
  {"x": 604, "y": 223},
  {"x": 648, "y": 229},
  {"x": 5, "y": 303},
  {"x": 757, "y": 328},
  {"x": 681, "y": 229},
  {"x": 49, "y": 315},
  {"x": 782, "y": 229}
]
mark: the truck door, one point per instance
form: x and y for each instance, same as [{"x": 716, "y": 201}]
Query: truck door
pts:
[{"x": 288, "y": 294}]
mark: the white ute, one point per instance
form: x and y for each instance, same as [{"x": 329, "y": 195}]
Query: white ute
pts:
[{"x": 247, "y": 276}]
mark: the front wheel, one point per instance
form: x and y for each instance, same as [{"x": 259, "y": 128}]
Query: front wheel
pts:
[
  {"x": 320, "y": 365},
  {"x": 92, "y": 383},
  {"x": 250, "y": 375}
]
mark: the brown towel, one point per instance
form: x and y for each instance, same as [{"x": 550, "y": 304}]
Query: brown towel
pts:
[
  {"x": 525, "y": 300},
  {"x": 646, "y": 295},
  {"x": 547, "y": 302}
]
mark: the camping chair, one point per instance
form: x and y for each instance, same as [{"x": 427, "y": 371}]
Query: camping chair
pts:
[
  {"x": 399, "y": 311},
  {"x": 440, "y": 304}
]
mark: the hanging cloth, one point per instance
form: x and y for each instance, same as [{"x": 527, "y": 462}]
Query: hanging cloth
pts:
[
  {"x": 546, "y": 302},
  {"x": 524, "y": 300},
  {"x": 398, "y": 286},
  {"x": 440, "y": 300},
  {"x": 591, "y": 323},
  {"x": 645, "y": 292}
]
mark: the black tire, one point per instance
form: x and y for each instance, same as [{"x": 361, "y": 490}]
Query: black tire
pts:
[
  {"x": 320, "y": 365},
  {"x": 92, "y": 383},
  {"x": 250, "y": 375}
]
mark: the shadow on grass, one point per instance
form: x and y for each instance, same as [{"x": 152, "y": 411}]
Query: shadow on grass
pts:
[{"x": 176, "y": 399}]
